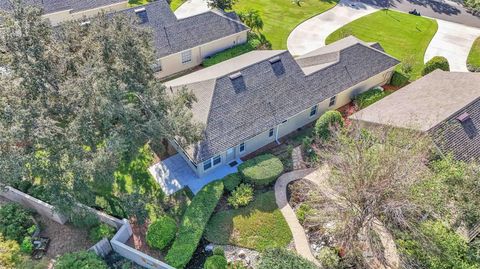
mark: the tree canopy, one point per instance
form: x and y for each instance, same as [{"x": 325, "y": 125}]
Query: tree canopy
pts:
[{"x": 78, "y": 99}]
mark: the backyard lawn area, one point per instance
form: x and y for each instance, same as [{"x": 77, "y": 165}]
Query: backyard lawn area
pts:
[
  {"x": 258, "y": 226},
  {"x": 280, "y": 17},
  {"x": 174, "y": 4},
  {"x": 402, "y": 35},
  {"x": 473, "y": 59}
]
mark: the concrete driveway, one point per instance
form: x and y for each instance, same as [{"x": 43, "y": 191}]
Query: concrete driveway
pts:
[
  {"x": 191, "y": 7},
  {"x": 312, "y": 33},
  {"x": 453, "y": 41}
]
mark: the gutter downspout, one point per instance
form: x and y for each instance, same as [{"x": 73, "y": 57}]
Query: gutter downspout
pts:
[{"x": 276, "y": 134}]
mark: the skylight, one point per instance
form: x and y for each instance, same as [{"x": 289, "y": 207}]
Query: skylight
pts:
[{"x": 142, "y": 15}]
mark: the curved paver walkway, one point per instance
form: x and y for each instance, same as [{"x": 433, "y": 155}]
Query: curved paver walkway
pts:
[
  {"x": 312, "y": 33},
  {"x": 453, "y": 41}
]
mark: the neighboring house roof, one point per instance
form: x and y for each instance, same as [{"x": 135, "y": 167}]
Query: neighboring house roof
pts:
[
  {"x": 172, "y": 35},
  {"x": 433, "y": 104},
  {"x": 51, "y": 6},
  {"x": 247, "y": 95}
]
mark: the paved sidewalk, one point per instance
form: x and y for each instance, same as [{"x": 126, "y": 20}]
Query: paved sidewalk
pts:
[
  {"x": 453, "y": 41},
  {"x": 312, "y": 33},
  {"x": 191, "y": 8}
]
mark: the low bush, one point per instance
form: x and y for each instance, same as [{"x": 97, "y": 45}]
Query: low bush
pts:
[
  {"x": 329, "y": 258},
  {"x": 261, "y": 170},
  {"x": 215, "y": 262},
  {"x": 218, "y": 251},
  {"x": 327, "y": 121},
  {"x": 302, "y": 212},
  {"x": 437, "y": 62},
  {"x": 241, "y": 196},
  {"x": 399, "y": 79},
  {"x": 369, "y": 97},
  {"x": 193, "y": 224},
  {"x": 80, "y": 260},
  {"x": 101, "y": 231},
  {"x": 15, "y": 222},
  {"x": 27, "y": 245},
  {"x": 9, "y": 253},
  {"x": 161, "y": 233},
  {"x": 230, "y": 182},
  {"x": 283, "y": 259}
]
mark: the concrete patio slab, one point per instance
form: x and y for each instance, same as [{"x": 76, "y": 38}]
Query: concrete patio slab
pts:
[
  {"x": 191, "y": 8},
  {"x": 452, "y": 41},
  {"x": 173, "y": 174}
]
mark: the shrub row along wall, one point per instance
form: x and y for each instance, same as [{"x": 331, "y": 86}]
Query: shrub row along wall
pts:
[{"x": 101, "y": 248}]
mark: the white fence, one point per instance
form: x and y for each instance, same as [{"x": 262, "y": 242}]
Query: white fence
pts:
[{"x": 101, "y": 248}]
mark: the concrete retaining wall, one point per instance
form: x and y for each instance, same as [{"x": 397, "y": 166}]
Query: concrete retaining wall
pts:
[{"x": 102, "y": 247}]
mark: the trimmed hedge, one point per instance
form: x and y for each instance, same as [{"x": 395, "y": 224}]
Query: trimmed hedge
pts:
[
  {"x": 323, "y": 124},
  {"x": 80, "y": 260},
  {"x": 437, "y": 62},
  {"x": 215, "y": 262},
  {"x": 369, "y": 97},
  {"x": 399, "y": 79},
  {"x": 193, "y": 224},
  {"x": 283, "y": 259},
  {"x": 261, "y": 170},
  {"x": 230, "y": 182},
  {"x": 161, "y": 232}
]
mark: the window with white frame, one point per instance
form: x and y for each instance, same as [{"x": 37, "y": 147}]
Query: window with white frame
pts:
[
  {"x": 207, "y": 164},
  {"x": 313, "y": 110},
  {"x": 333, "y": 100},
  {"x": 186, "y": 56},
  {"x": 217, "y": 160},
  {"x": 270, "y": 132},
  {"x": 241, "y": 148}
]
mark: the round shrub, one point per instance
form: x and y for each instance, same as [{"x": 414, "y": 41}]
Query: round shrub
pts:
[
  {"x": 215, "y": 262},
  {"x": 326, "y": 122},
  {"x": 15, "y": 222},
  {"x": 230, "y": 182},
  {"x": 261, "y": 170},
  {"x": 399, "y": 79},
  {"x": 80, "y": 260},
  {"x": 101, "y": 231},
  {"x": 241, "y": 196},
  {"x": 329, "y": 258},
  {"x": 161, "y": 232},
  {"x": 27, "y": 245},
  {"x": 437, "y": 62},
  {"x": 218, "y": 251}
]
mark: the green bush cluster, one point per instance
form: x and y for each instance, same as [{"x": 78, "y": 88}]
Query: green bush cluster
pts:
[
  {"x": 10, "y": 255},
  {"x": 83, "y": 218},
  {"x": 193, "y": 224},
  {"x": 161, "y": 233},
  {"x": 328, "y": 120},
  {"x": 80, "y": 260},
  {"x": 283, "y": 259},
  {"x": 261, "y": 170},
  {"x": 15, "y": 222},
  {"x": 241, "y": 196},
  {"x": 302, "y": 212},
  {"x": 369, "y": 97},
  {"x": 215, "y": 262},
  {"x": 329, "y": 258},
  {"x": 101, "y": 231},
  {"x": 230, "y": 182},
  {"x": 26, "y": 246},
  {"x": 437, "y": 62},
  {"x": 399, "y": 79}
]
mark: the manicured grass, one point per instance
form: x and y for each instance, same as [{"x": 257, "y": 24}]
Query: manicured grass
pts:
[
  {"x": 134, "y": 3},
  {"x": 402, "y": 35},
  {"x": 230, "y": 53},
  {"x": 174, "y": 4},
  {"x": 280, "y": 17},
  {"x": 473, "y": 59},
  {"x": 258, "y": 226}
]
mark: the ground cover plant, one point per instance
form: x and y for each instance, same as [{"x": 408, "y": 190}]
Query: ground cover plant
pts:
[
  {"x": 80, "y": 260},
  {"x": 258, "y": 226},
  {"x": 261, "y": 170},
  {"x": 473, "y": 60},
  {"x": 193, "y": 224},
  {"x": 101, "y": 231},
  {"x": 278, "y": 258},
  {"x": 281, "y": 17},
  {"x": 402, "y": 35}
]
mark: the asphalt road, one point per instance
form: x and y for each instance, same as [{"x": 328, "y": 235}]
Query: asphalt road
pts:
[{"x": 444, "y": 10}]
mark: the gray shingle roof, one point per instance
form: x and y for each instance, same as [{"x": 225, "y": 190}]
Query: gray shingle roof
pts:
[
  {"x": 460, "y": 139},
  {"x": 51, "y": 6},
  {"x": 270, "y": 93},
  {"x": 174, "y": 35}
]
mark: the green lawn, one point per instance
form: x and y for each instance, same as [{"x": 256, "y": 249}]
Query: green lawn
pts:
[
  {"x": 280, "y": 17},
  {"x": 175, "y": 4},
  {"x": 474, "y": 55},
  {"x": 258, "y": 226},
  {"x": 402, "y": 35}
]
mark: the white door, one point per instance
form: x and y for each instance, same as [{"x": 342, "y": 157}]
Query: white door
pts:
[{"x": 230, "y": 155}]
